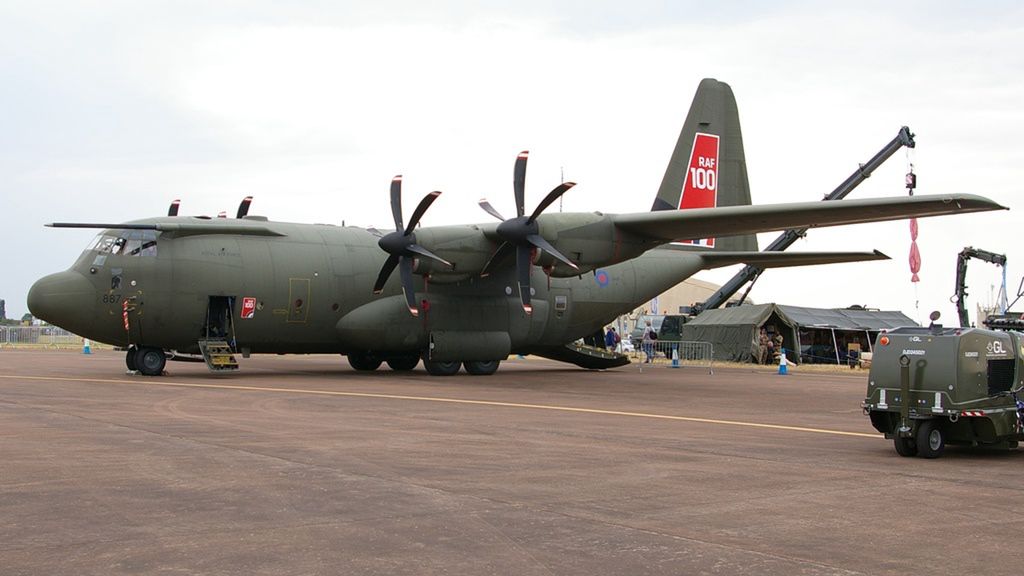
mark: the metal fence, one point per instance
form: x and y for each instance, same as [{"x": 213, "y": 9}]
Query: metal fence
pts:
[
  {"x": 677, "y": 352},
  {"x": 38, "y": 336}
]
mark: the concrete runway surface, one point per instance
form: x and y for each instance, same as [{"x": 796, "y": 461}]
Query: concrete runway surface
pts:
[{"x": 300, "y": 465}]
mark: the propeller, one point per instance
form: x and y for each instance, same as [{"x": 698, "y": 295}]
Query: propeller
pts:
[
  {"x": 402, "y": 247},
  {"x": 243, "y": 208},
  {"x": 522, "y": 233}
]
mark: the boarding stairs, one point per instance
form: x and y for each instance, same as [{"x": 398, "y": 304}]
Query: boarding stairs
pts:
[{"x": 218, "y": 355}]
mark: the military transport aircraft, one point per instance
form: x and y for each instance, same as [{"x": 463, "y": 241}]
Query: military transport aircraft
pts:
[{"x": 465, "y": 296}]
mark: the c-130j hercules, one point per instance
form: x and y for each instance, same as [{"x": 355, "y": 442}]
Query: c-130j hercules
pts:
[{"x": 467, "y": 295}]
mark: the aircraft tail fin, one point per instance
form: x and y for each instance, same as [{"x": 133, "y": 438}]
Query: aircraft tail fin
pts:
[{"x": 708, "y": 168}]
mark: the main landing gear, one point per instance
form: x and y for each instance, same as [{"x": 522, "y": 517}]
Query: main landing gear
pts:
[
  {"x": 146, "y": 360},
  {"x": 474, "y": 367},
  {"x": 368, "y": 362}
]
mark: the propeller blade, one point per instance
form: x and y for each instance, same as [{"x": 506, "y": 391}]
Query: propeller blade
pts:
[
  {"x": 539, "y": 241},
  {"x": 418, "y": 213},
  {"x": 498, "y": 256},
  {"x": 490, "y": 209},
  {"x": 523, "y": 264},
  {"x": 173, "y": 210},
  {"x": 243, "y": 208},
  {"x": 396, "y": 201},
  {"x": 385, "y": 273},
  {"x": 519, "y": 182},
  {"x": 424, "y": 252},
  {"x": 405, "y": 269},
  {"x": 551, "y": 197}
]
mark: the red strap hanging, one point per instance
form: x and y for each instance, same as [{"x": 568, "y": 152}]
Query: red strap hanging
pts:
[{"x": 915, "y": 254}]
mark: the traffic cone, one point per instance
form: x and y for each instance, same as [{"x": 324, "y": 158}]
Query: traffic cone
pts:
[
  {"x": 675, "y": 357},
  {"x": 86, "y": 348},
  {"x": 782, "y": 362}
]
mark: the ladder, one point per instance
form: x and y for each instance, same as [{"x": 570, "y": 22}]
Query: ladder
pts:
[{"x": 218, "y": 355}]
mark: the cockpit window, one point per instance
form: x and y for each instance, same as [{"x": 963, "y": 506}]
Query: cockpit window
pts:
[{"x": 128, "y": 243}]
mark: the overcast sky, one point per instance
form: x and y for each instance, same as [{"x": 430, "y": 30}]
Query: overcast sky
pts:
[{"x": 110, "y": 110}]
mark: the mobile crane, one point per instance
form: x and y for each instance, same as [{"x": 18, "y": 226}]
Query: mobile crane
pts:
[
  {"x": 960, "y": 290},
  {"x": 750, "y": 273}
]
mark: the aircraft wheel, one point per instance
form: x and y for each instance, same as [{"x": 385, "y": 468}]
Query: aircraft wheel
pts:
[
  {"x": 403, "y": 363},
  {"x": 905, "y": 447},
  {"x": 441, "y": 368},
  {"x": 482, "y": 368},
  {"x": 150, "y": 361},
  {"x": 129, "y": 358},
  {"x": 364, "y": 362},
  {"x": 931, "y": 441}
]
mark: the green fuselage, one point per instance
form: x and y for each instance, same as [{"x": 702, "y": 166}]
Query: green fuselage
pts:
[{"x": 312, "y": 288}]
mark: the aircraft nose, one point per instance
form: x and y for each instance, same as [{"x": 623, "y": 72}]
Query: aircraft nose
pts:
[{"x": 64, "y": 299}]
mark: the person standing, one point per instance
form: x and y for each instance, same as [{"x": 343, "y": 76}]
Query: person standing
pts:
[
  {"x": 648, "y": 342},
  {"x": 611, "y": 338},
  {"x": 762, "y": 347},
  {"x": 777, "y": 340}
]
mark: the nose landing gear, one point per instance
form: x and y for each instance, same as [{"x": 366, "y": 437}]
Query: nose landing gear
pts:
[{"x": 147, "y": 360}]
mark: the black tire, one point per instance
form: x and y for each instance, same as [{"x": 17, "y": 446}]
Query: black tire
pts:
[
  {"x": 481, "y": 367},
  {"x": 129, "y": 358},
  {"x": 364, "y": 362},
  {"x": 905, "y": 447},
  {"x": 441, "y": 368},
  {"x": 403, "y": 363},
  {"x": 150, "y": 361},
  {"x": 931, "y": 440}
]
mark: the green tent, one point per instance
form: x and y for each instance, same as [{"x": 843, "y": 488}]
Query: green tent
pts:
[{"x": 809, "y": 334}]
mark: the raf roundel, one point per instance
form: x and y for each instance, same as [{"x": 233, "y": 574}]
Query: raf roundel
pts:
[{"x": 602, "y": 278}]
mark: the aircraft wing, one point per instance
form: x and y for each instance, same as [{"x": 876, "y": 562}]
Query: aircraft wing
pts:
[
  {"x": 697, "y": 223},
  {"x": 715, "y": 259},
  {"x": 181, "y": 229}
]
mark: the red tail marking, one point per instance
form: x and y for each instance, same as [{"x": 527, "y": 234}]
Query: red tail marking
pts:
[{"x": 700, "y": 185}]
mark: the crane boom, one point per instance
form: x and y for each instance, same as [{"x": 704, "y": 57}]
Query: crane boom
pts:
[
  {"x": 960, "y": 293},
  {"x": 750, "y": 273}
]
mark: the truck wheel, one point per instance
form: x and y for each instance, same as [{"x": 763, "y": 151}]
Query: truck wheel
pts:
[
  {"x": 931, "y": 442},
  {"x": 905, "y": 447}
]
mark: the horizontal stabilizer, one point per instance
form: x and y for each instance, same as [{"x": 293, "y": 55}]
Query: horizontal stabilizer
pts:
[
  {"x": 785, "y": 259},
  {"x": 672, "y": 225}
]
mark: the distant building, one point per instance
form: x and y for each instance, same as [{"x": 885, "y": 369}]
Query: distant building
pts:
[{"x": 677, "y": 299}]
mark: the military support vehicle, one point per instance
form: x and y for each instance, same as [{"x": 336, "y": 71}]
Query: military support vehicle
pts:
[
  {"x": 667, "y": 326},
  {"x": 933, "y": 386}
]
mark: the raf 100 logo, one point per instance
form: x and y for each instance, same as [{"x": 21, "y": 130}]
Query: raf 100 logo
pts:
[{"x": 995, "y": 347}]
